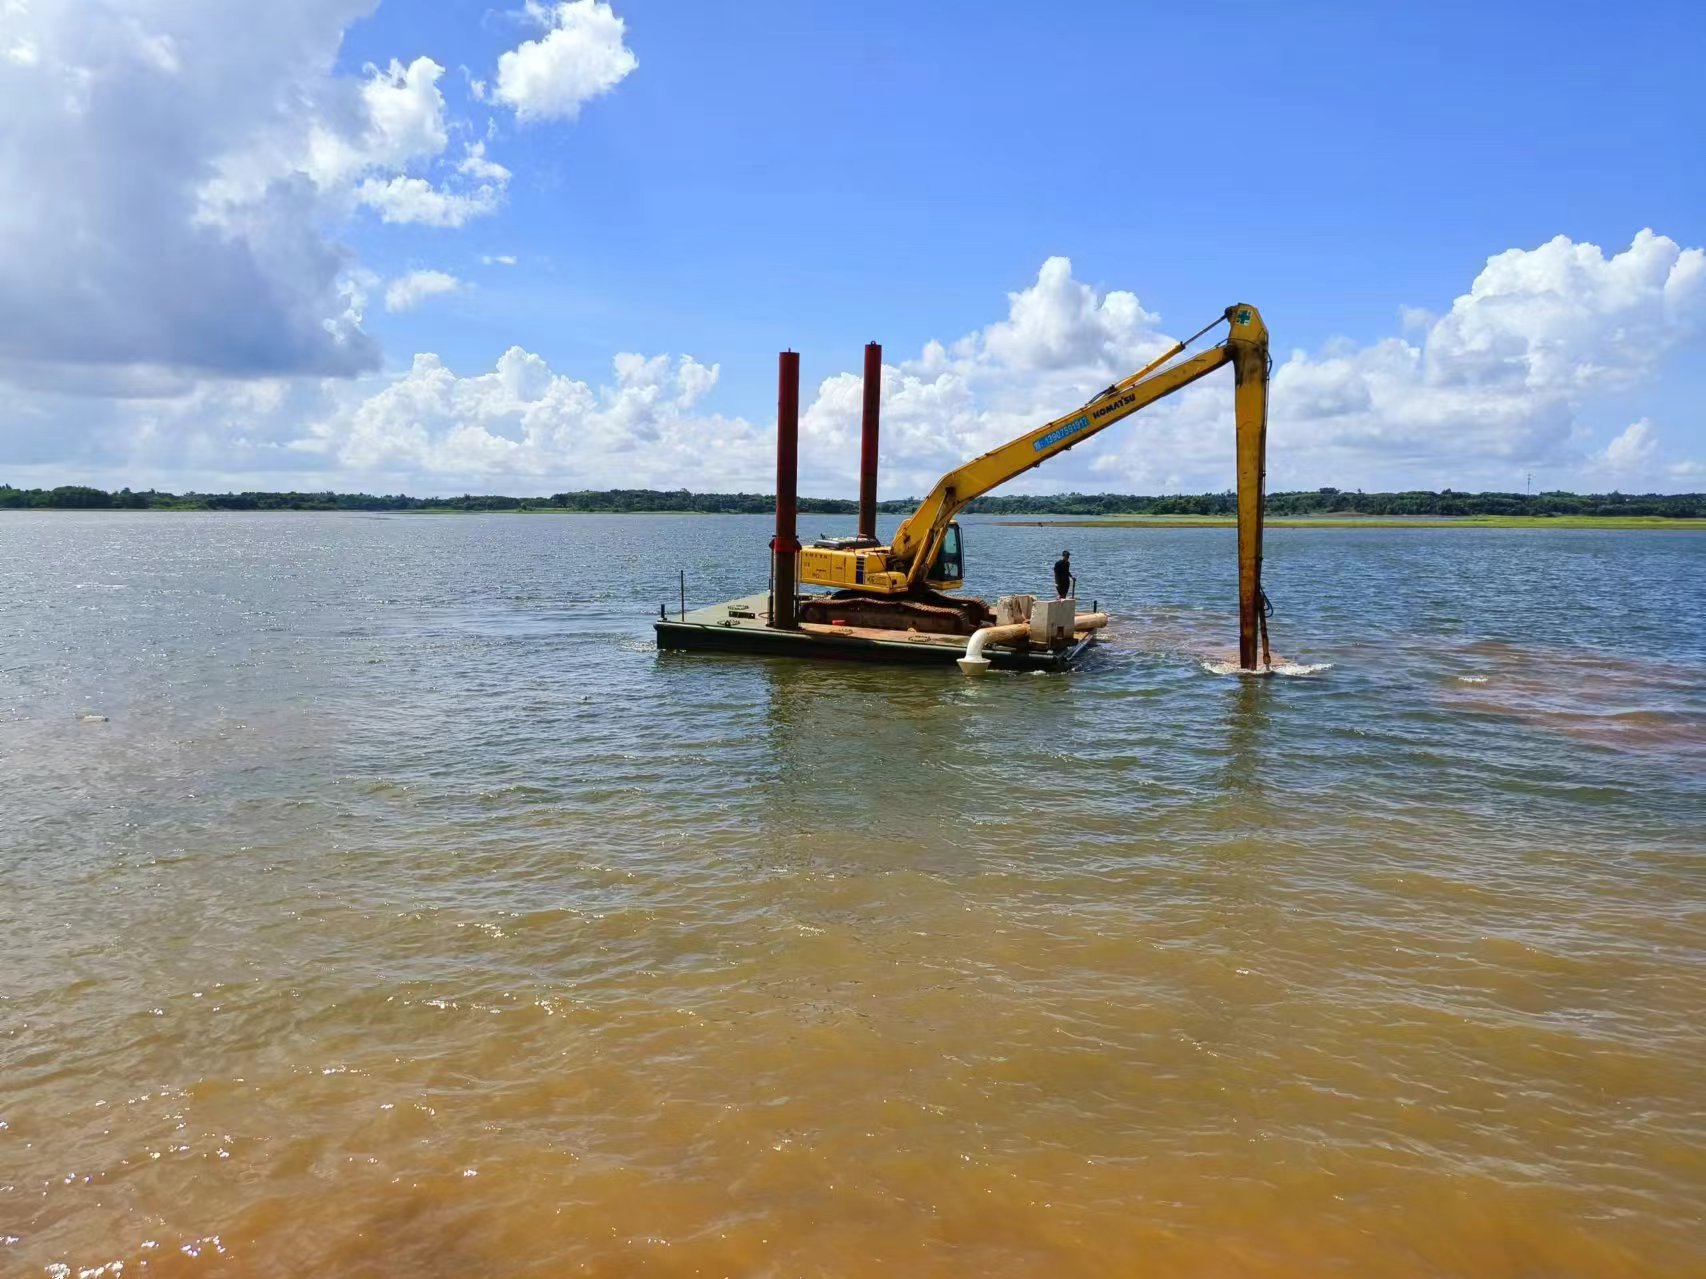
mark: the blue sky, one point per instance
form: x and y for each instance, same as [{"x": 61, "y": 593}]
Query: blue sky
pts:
[
  {"x": 814, "y": 173},
  {"x": 771, "y": 175}
]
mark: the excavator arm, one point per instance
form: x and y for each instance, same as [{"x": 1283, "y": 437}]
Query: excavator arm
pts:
[{"x": 918, "y": 540}]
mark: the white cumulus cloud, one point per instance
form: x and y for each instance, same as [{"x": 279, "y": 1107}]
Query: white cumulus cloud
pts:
[
  {"x": 1632, "y": 448},
  {"x": 1063, "y": 323},
  {"x": 408, "y": 291},
  {"x": 175, "y": 173},
  {"x": 524, "y": 421},
  {"x": 113, "y": 121},
  {"x": 401, "y": 121},
  {"x": 1491, "y": 386},
  {"x": 369, "y": 148},
  {"x": 580, "y": 56},
  {"x": 1497, "y": 382},
  {"x": 1514, "y": 373},
  {"x": 476, "y": 165},
  {"x": 405, "y": 199}
]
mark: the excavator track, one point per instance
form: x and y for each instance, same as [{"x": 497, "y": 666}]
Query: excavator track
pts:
[{"x": 931, "y": 614}]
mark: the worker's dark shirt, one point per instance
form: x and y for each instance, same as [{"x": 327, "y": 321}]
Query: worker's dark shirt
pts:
[{"x": 1063, "y": 578}]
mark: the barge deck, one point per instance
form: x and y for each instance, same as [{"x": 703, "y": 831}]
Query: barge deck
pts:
[{"x": 743, "y": 626}]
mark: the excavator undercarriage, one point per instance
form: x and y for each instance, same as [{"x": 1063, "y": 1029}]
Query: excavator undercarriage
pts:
[{"x": 931, "y": 613}]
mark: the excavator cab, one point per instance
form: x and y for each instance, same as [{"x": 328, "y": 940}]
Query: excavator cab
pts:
[{"x": 948, "y": 572}]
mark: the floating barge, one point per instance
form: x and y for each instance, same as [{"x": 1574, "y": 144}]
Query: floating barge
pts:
[
  {"x": 744, "y": 626},
  {"x": 890, "y": 602}
]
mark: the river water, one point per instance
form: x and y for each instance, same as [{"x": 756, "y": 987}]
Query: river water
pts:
[{"x": 406, "y": 913}]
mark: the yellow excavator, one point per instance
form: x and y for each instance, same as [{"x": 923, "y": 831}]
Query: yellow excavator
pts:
[{"x": 900, "y": 585}]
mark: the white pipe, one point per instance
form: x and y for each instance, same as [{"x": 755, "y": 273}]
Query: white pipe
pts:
[{"x": 974, "y": 662}]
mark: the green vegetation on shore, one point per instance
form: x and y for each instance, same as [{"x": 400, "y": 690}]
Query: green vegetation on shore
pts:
[
  {"x": 611, "y": 501},
  {"x": 1333, "y": 506},
  {"x": 1329, "y": 507}
]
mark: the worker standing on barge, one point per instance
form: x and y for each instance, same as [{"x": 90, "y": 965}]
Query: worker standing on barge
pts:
[{"x": 1063, "y": 579}]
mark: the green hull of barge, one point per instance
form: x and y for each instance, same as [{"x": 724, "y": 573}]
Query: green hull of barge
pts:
[{"x": 742, "y": 626}]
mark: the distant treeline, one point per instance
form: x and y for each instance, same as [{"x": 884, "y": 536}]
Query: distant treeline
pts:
[
  {"x": 1332, "y": 501},
  {"x": 81, "y": 497},
  {"x": 1325, "y": 501}
]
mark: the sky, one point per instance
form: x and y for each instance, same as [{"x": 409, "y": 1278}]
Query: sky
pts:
[{"x": 446, "y": 246}]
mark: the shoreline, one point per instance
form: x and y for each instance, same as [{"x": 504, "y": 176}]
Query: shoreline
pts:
[
  {"x": 1603, "y": 522},
  {"x": 1039, "y": 520}
]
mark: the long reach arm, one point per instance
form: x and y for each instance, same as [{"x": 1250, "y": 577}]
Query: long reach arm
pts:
[{"x": 919, "y": 538}]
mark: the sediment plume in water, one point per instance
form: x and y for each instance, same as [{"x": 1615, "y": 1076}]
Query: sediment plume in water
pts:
[
  {"x": 1607, "y": 699},
  {"x": 1199, "y": 636}
]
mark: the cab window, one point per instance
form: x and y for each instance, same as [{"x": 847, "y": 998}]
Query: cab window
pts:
[{"x": 949, "y": 566}]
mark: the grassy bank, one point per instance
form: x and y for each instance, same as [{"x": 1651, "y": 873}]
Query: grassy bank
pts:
[{"x": 1359, "y": 522}]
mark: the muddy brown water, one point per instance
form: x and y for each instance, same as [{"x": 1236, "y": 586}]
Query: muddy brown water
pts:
[{"x": 408, "y": 914}]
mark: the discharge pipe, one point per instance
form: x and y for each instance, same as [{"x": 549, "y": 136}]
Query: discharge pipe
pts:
[
  {"x": 868, "y": 441},
  {"x": 785, "y": 546},
  {"x": 975, "y": 663}
]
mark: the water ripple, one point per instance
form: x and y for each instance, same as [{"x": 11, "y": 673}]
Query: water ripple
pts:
[{"x": 377, "y": 899}]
